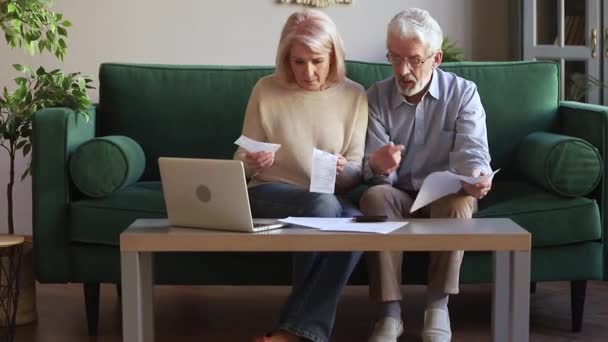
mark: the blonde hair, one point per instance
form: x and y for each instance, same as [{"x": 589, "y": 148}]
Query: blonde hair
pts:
[
  {"x": 416, "y": 23},
  {"x": 315, "y": 30}
]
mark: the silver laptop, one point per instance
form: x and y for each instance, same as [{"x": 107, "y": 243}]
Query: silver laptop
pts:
[{"x": 209, "y": 194}]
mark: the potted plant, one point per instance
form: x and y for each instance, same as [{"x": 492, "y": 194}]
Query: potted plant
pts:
[
  {"x": 33, "y": 26},
  {"x": 579, "y": 85},
  {"x": 451, "y": 53}
]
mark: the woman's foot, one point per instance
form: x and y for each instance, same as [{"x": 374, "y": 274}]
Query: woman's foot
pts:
[{"x": 278, "y": 336}]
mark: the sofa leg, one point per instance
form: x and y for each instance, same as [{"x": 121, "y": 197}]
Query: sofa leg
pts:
[
  {"x": 533, "y": 287},
  {"x": 577, "y": 301},
  {"x": 91, "y": 302}
]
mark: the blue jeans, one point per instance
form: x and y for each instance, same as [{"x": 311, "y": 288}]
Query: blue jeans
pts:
[{"x": 318, "y": 277}]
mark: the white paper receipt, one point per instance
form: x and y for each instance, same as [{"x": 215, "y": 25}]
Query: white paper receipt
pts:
[
  {"x": 256, "y": 146},
  {"x": 323, "y": 172},
  {"x": 439, "y": 184},
  {"x": 344, "y": 224}
]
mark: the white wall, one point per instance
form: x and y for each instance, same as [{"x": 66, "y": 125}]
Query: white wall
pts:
[{"x": 231, "y": 32}]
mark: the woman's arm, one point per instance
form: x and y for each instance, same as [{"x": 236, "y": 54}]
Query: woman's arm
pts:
[
  {"x": 252, "y": 127},
  {"x": 351, "y": 174}
]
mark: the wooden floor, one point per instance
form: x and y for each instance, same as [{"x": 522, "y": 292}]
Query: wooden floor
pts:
[{"x": 189, "y": 313}]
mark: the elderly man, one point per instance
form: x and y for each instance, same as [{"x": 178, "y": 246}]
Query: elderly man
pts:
[{"x": 421, "y": 120}]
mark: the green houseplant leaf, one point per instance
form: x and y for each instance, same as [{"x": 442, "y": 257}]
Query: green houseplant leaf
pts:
[
  {"x": 34, "y": 27},
  {"x": 30, "y": 24},
  {"x": 579, "y": 85},
  {"x": 451, "y": 53}
]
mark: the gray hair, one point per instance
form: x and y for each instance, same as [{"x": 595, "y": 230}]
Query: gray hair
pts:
[
  {"x": 416, "y": 23},
  {"x": 318, "y": 32}
]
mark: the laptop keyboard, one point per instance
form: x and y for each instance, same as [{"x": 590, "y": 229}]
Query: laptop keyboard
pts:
[{"x": 258, "y": 227}]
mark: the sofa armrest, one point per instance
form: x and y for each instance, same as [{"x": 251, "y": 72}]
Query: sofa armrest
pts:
[
  {"x": 590, "y": 122},
  {"x": 56, "y": 133},
  {"x": 561, "y": 164}
]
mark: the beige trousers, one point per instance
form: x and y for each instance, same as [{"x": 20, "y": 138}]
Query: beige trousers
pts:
[{"x": 384, "y": 268}]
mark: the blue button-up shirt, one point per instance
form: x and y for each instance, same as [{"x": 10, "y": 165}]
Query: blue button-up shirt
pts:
[{"x": 445, "y": 131}]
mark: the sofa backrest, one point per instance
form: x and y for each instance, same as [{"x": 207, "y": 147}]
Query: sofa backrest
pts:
[
  {"x": 518, "y": 97},
  {"x": 197, "y": 111},
  {"x": 184, "y": 111}
]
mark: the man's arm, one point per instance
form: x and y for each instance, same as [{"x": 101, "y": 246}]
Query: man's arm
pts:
[
  {"x": 377, "y": 136},
  {"x": 471, "y": 153}
]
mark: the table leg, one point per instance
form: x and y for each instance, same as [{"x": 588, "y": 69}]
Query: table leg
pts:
[
  {"x": 137, "y": 273},
  {"x": 520, "y": 296},
  {"x": 500, "y": 296}
]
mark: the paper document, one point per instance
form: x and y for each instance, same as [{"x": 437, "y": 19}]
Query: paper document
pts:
[
  {"x": 255, "y": 146},
  {"x": 323, "y": 172},
  {"x": 344, "y": 224},
  {"x": 439, "y": 184}
]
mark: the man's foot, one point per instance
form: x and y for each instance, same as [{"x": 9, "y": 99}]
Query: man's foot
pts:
[
  {"x": 387, "y": 329},
  {"x": 278, "y": 336},
  {"x": 436, "y": 326}
]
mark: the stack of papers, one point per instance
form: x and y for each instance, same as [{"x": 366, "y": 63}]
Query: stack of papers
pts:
[
  {"x": 439, "y": 184},
  {"x": 344, "y": 224}
]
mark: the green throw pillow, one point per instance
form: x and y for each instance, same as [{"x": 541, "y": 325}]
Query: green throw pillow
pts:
[
  {"x": 106, "y": 164},
  {"x": 564, "y": 165}
]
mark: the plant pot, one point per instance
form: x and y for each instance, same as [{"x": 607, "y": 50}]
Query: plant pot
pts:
[{"x": 26, "y": 302}]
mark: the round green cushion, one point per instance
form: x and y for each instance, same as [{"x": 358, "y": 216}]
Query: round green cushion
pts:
[
  {"x": 564, "y": 165},
  {"x": 106, "y": 164}
]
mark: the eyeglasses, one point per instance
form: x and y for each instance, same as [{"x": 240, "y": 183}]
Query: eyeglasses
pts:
[{"x": 411, "y": 62}]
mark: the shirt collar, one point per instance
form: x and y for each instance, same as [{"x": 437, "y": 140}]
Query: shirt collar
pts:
[
  {"x": 397, "y": 98},
  {"x": 434, "y": 87}
]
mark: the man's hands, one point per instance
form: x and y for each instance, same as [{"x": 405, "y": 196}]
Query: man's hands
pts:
[
  {"x": 386, "y": 159},
  {"x": 477, "y": 190},
  {"x": 258, "y": 161}
]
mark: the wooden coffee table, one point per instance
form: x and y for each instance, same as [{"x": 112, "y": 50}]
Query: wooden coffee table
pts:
[{"x": 510, "y": 243}]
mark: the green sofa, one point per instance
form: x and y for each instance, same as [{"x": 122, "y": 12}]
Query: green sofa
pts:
[{"x": 197, "y": 111}]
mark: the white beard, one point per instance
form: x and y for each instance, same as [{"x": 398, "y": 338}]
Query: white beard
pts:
[{"x": 418, "y": 85}]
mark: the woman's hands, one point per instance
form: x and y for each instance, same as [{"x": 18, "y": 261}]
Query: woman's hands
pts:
[
  {"x": 258, "y": 161},
  {"x": 340, "y": 164}
]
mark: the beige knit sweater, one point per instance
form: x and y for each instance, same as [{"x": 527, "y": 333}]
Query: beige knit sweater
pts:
[{"x": 333, "y": 120}]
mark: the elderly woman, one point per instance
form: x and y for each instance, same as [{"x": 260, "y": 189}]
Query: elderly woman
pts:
[{"x": 307, "y": 103}]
